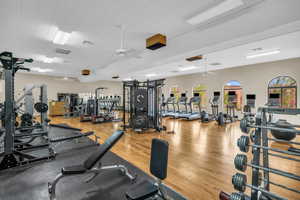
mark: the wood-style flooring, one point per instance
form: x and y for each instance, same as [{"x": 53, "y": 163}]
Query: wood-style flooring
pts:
[{"x": 200, "y": 158}]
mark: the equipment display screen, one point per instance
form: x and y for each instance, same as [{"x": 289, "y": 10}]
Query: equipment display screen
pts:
[
  {"x": 217, "y": 93},
  {"x": 251, "y": 96},
  {"x": 171, "y": 95},
  {"x": 196, "y": 94},
  {"x": 183, "y": 95},
  {"x": 274, "y": 96},
  {"x": 231, "y": 93}
]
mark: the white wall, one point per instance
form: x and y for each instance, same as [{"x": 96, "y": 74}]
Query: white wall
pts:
[{"x": 254, "y": 79}]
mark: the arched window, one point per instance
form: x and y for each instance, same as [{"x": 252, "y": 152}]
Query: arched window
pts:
[
  {"x": 286, "y": 87},
  {"x": 201, "y": 89},
  {"x": 234, "y": 86}
]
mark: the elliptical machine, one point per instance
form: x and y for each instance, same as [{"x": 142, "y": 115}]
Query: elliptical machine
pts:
[
  {"x": 250, "y": 103},
  {"x": 206, "y": 117},
  {"x": 229, "y": 116}
]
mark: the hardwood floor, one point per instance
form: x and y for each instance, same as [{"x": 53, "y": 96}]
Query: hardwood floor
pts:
[{"x": 200, "y": 158}]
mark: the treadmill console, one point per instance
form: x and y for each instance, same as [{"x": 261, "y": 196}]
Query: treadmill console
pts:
[
  {"x": 182, "y": 99},
  {"x": 274, "y": 100},
  {"x": 251, "y": 100},
  {"x": 195, "y": 98},
  {"x": 232, "y": 96},
  {"x": 216, "y": 98}
]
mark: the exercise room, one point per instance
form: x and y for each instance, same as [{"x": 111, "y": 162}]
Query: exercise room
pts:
[{"x": 150, "y": 100}]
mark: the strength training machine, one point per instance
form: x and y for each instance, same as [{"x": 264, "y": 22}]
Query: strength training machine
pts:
[{"x": 144, "y": 107}]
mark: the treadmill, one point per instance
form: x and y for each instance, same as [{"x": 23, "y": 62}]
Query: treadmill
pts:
[
  {"x": 195, "y": 100},
  {"x": 182, "y": 102},
  {"x": 170, "y": 101}
]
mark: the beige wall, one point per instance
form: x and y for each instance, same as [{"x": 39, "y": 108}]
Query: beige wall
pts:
[
  {"x": 254, "y": 78},
  {"x": 55, "y": 86}
]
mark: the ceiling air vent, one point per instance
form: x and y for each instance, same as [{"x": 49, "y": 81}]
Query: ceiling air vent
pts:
[
  {"x": 87, "y": 43},
  {"x": 215, "y": 64},
  {"x": 194, "y": 58},
  {"x": 115, "y": 77},
  {"x": 62, "y": 51}
]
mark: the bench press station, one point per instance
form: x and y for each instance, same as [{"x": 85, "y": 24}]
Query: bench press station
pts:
[{"x": 88, "y": 166}]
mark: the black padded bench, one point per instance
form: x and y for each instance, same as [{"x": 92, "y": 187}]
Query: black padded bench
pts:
[
  {"x": 88, "y": 166},
  {"x": 158, "y": 167}
]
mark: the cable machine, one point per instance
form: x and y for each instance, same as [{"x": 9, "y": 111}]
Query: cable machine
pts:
[
  {"x": 12, "y": 155},
  {"x": 144, "y": 105}
]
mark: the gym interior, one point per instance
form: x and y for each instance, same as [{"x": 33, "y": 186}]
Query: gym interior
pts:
[{"x": 146, "y": 100}]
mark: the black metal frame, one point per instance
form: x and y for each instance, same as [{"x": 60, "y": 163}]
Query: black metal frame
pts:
[
  {"x": 153, "y": 90},
  {"x": 13, "y": 155}
]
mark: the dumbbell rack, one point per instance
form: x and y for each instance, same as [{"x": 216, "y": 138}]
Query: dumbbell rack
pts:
[{"x": 260, "y": 186}]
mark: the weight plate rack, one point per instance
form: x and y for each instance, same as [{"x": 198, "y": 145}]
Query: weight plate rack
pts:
[{"x": 256, "y": 129}]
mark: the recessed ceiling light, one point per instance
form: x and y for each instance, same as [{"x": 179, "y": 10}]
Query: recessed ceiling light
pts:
[
  {"x": 61, "y": 37},
  {"x": 151, "y": 75},
  {"x": 264, "y": 53},
  {"x": 218, "y": 10},
  {"x": 48, "y": 60},
  {"x": 182, "y": 69}
]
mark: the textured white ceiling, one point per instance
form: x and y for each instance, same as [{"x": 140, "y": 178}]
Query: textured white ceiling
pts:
[{"x": 26, "y": 30}]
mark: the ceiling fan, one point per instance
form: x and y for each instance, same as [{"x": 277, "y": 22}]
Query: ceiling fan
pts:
[
  {"x": 123, "y": 51},
  {"x": 206, "y": 72}
]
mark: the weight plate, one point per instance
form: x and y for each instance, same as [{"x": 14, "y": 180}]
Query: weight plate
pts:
[
  {"x": 240, "y": 162},
  {"x": 244, "y": 125},
  {"x": 239, "y": 182},
  {"x": 41, "y": 107},
  {"x": 237, "y": 196},
  {"x": 243, "y": 143}
]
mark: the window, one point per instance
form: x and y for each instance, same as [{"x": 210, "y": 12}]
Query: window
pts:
[
  {"x": 286, "y": 87},
  {"x": 231, "y": 87}
]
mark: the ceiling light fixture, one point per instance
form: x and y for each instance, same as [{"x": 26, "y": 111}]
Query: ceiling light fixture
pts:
[
  {"x": 151, "y": 75},
  {"x": 41, "y": 70},
  {"x": 187, "y": 68},
  {"x": 61, "y": 37},
  {"x": 127, "y": 79},
  {"x": 215, "y": 11},
  {"x": 48, "y": 60},
  {"x": 265, "y": 53}
]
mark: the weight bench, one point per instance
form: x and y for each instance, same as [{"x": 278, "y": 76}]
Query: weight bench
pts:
[
  {"x": 88, "y": 166},
  {"x": 158, "y": 167}
]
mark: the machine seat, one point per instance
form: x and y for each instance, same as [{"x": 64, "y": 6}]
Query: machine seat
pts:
[
  {"x": 142, "y": 191},
  {"x": 76, "y": 169}
]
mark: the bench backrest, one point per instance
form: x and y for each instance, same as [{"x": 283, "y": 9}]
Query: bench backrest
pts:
[
  {"x": 159, "y": 158},
  {"x": 103, "y": 149}
]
